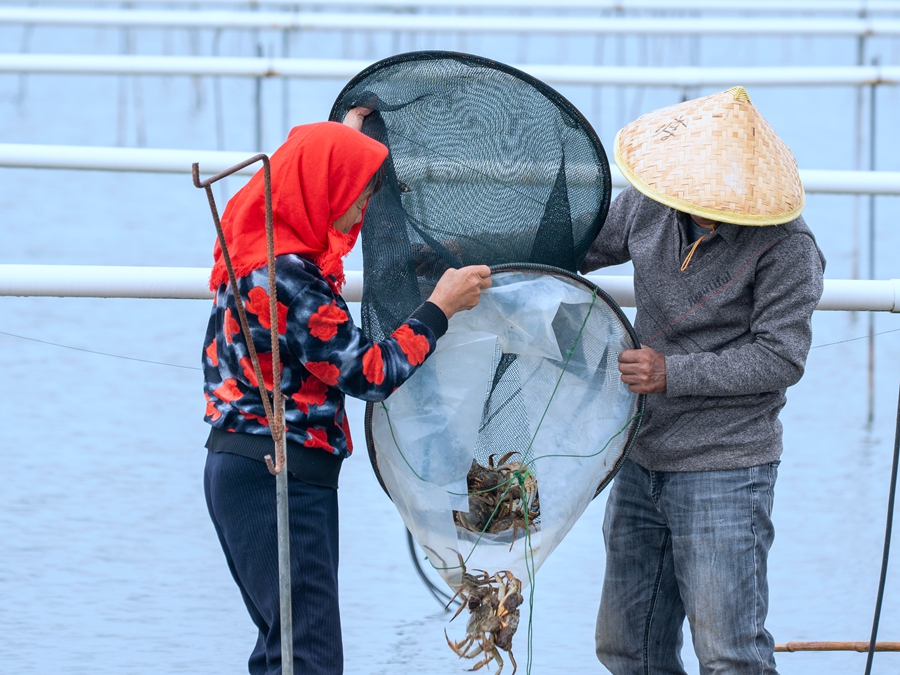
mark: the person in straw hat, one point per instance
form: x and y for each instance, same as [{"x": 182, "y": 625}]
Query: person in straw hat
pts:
[{"x": 726, "y": 277}]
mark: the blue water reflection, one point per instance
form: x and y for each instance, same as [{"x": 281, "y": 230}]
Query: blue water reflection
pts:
[{"x": 108, "y": 563}]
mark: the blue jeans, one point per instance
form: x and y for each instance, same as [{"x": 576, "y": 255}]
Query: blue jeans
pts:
[
  {"x": 687, "y": 544},
  {"x": 240, "y": 495}
]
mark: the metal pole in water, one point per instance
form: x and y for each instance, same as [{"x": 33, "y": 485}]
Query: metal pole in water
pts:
[
  {"x": 259, "y": 118},
  {"x": 122, "y": 107},
  {"x": 27, "y": 30},
  {"x": 858, "y": 151},
  {"x": 596, "y": 91},
  {"x": 219, "y": 112},
  {"x": 870, "y": 418},
  {"x": 258, "y": 93},
  {"x": 217, "y": 95},
  {"x": 285, "y": 86}
]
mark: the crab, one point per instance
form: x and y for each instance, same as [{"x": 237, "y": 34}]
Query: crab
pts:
[
  {"x": 496, "y": 499},
  {"x": 493, "y": 603},
  {"x": 524, "y": 509}
]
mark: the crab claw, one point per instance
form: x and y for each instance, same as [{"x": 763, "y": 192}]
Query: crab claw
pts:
[
  {"x": 510, "y": 603},
  {"x": 449, "y": 642},
  {"x": 459, "y": 648}
]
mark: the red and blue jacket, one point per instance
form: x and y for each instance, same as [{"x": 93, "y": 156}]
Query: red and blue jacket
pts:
[{"x": 324, "y": 356}]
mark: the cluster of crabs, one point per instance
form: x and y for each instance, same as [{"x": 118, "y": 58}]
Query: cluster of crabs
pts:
[
  {"x": 501, "y": 496},
  {"x": 493, "y": 603},
  {"x": 497, "y": 500}
]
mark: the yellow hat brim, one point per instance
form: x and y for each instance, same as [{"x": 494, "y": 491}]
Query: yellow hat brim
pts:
[{"x": 784, "y": 199}]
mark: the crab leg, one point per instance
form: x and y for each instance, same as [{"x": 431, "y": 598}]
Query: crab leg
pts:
[
  {"x": 462, "y": 586},
  {"x": 460, "y": 647},
  {"x": 494, "y": 655},
  {"x": 503, "y": 460},
  {"x": 475, "y": 653},
  {"x": 462, "y": 605}
]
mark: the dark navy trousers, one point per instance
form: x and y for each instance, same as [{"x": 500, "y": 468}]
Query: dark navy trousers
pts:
[{"x": 240, "y": 494}]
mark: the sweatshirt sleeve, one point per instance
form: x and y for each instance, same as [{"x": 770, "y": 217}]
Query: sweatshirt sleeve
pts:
[
  {"x": 611, "y": 245},
  {"x": 322, "y": 336},
  {"x": 787, "y": 288}
]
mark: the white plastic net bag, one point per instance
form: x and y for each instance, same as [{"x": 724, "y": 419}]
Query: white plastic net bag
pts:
[{"x": 528, "y": 379}]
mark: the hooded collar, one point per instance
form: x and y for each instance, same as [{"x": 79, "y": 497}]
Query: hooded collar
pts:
[
  {"x": 317, "y": 174},
  {"x": 728, "y": 231}
]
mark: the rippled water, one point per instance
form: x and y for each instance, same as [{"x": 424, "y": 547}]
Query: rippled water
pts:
[{"x": 108, "y": 563}]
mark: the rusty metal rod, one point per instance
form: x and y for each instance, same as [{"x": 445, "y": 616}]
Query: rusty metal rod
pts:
[
  {"x": 836, "y": 647},
  {"x": 275, "y": 409}
]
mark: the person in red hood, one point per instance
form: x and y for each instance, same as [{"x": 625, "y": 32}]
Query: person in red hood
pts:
[{"x": 322, "y": 179}]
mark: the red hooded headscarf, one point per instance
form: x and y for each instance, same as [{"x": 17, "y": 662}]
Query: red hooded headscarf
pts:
[{"x": 317, "y": 174}]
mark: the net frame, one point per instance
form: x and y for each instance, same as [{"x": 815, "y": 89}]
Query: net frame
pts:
[
  {"x": 611, "y": 304},
  {"x": 339, "y": 110},
  {"x": 564, "y": 173}
]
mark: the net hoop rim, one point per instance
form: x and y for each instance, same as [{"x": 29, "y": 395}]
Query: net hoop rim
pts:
[
  {"x": 633, "y": 428},
  {"x": 548, "y": 92}
]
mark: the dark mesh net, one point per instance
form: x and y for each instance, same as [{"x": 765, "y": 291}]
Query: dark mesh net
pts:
[{"x": 487, "y": 166}]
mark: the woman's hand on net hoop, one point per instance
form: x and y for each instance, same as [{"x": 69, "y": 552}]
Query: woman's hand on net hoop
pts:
[
  {"x": 643, "y": 370},
  {"x": 355, "y": 117},
  {"x": 460, "y": 289}
]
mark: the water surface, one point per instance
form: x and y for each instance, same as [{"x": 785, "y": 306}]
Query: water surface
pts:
[{"x": 108, "y": 562}]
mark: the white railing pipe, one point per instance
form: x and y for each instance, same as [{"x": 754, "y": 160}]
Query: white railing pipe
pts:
[
  {"x": 861, "y": 295},
  {"x": 90, "y": 281},
  {"x": 342, "y": 69},
  {"x": 821, "y": 181},
  {"x": 148, "y": 160},
  {"x": 448, "y": 23},
  {"x": 839, "y": 294},
  {"x": 719, "y": 77},
  {"x": 191, "y": 283},
  {"x": 95, "y": 281},
  {"x": 80, "y": 64},
  {"x": 732, "y": 6}
]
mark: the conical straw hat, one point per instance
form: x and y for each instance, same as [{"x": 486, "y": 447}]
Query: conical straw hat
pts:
[{"x": 714, "y": 157}]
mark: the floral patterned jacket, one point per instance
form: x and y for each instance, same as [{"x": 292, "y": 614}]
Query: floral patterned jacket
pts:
[{"x": 323, "y": 355}]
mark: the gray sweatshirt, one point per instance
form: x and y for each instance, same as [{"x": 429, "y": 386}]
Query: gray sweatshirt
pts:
[{"x": 734, "y": 328}]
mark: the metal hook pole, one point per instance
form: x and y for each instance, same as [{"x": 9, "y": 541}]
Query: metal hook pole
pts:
[{"x": 275, "y": 408}]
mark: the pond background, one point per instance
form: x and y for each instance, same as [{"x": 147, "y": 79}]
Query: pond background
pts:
[{"x": 108, "y": 561}]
